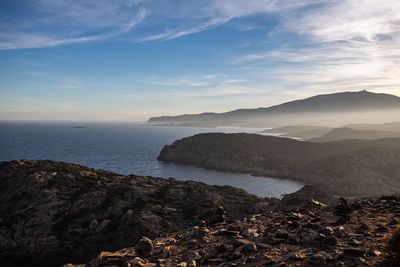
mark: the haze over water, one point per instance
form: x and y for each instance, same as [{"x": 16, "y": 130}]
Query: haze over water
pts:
[{"x": 124, "y": 148}]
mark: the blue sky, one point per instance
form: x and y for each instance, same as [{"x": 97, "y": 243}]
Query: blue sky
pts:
[{"x": 132, "y": 59}]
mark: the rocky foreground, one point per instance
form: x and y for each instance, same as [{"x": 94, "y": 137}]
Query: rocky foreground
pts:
[
  {"x": 357, "y": 234},
  {"x": 54, "y": 212}
]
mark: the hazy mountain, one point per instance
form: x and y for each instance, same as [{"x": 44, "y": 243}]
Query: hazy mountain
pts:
[
  {"x": 304, "y": 132},
  {"x": 391, "y": 126},
  {"x": 328, "y": 109},
  {"x": 347, "y": 133}
]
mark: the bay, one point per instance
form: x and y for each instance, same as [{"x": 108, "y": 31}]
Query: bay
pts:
[{"x": 126, "y": 148}]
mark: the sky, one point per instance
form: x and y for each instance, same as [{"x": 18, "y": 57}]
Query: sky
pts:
[{"x": 134, "y": 59}]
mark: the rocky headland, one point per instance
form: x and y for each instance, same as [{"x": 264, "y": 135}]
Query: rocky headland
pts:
[
  {"x": 54, "y": 212},
  {"x": 345, "y": 168}
]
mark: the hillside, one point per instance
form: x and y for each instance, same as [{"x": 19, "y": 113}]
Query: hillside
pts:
[
  {"x": 348, "y": 133},
  {"x": 316, "y": 235},
  {"x": 331, "y": 109},
  {"x": 54, "y": 212},
  {"x": 304, "y": 132},
  {"x": 390, "y": 127},
  {"x": 348, "y": 168}
]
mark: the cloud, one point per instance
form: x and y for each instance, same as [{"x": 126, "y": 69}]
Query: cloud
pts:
[
  {"x": 336, "y": 45},
  {"x": 59, "y": 22},
  {"x": 182, "y": 81},
  {"x": 230, "y": 81},
  {"x": 55, "y": 23},
  {"x": 175, "y": 33}
]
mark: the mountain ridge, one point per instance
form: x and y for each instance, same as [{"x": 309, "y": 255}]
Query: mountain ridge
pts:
[{"x": 360, "y": 101}]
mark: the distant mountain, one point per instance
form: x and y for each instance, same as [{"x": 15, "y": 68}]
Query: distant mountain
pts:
[
  {"x": 328, "y": 108},
  {"x": 392, "y": 126},
  {"x": 347, "y": 133},
  {"x": 303, "y": 132}
]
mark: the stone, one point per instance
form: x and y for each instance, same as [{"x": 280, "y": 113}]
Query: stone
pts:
[
  {"x": 220, "y": 215},
  {"x": 136, "y": 262},
  {"x": 243, "y": 242},
  {"x": 225, "y": 232},
  {"x": 194, "y": 255},
  {"x": 283, "y": 235},
  {"x": 144, "y": 247},
  {"x": 317, "y": 259},
  {"x": 298, "y": 256},
  {"x": 249, "y": 248},
  {"x": 327, "y": 256},
  {"x": 93, "y": 224},
  {"x": 343, "y": 211},
  {"x": 354, "y": 251},
  {"x": 377, "y": 253}
]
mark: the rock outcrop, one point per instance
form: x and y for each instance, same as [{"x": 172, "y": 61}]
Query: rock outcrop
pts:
[
  {"x": 54, "y": 212},
  {"x": 308, "y": 236},
  {"x": 346, "y": 168}
]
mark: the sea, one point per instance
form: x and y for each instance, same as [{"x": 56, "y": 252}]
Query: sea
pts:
[{"x": 125, "y": 148}]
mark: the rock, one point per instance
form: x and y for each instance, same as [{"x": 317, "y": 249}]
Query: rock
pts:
[
  {"x": 108, "y": 258},
  {"x": 144, "y": 247},
  {"x": 381, "y": 229},
  {"x": 263, "y": 246},
  {"x": 343, "y": 211},
  {"x": 377, "y": 253},
  {"x": 331, "y": 241},
  {"x": 54, "y": 212},
  {"x": 93, "y": 224},
  {"x": 281, "y": 234},
  {"x": 247, "y": 246},
  {"x": 136, "y": 262},
  {"x": 224, "y": 232},
  {"x": 354, "y": 251},
  {"x": 194, "y": 255},
  {"x": 317, "y": 259},
  {"x": 220, "y": 215},
  {"x": 298, "y": 256},
  {"x": 203, "y": 231},
  {"x": 327, "y": 256},
  {"x": 250, "y": 232},
  {"x": 192, "y": 263}
]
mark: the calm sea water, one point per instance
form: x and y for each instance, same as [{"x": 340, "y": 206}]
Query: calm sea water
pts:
[{"x": 125, "y": 148}]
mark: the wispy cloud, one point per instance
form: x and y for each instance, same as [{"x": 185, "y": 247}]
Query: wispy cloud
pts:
[
  {"x": 344, "y": 45},
  {"x": 56, "y": 23},
  {"x": 175, "y": 33}
]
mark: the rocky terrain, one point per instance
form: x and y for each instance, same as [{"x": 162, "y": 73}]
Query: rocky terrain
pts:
[
  {"x": 345, "y": 168},
  {"x": 54, "y": 212},
  {"x": 347, "y": 234}
]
